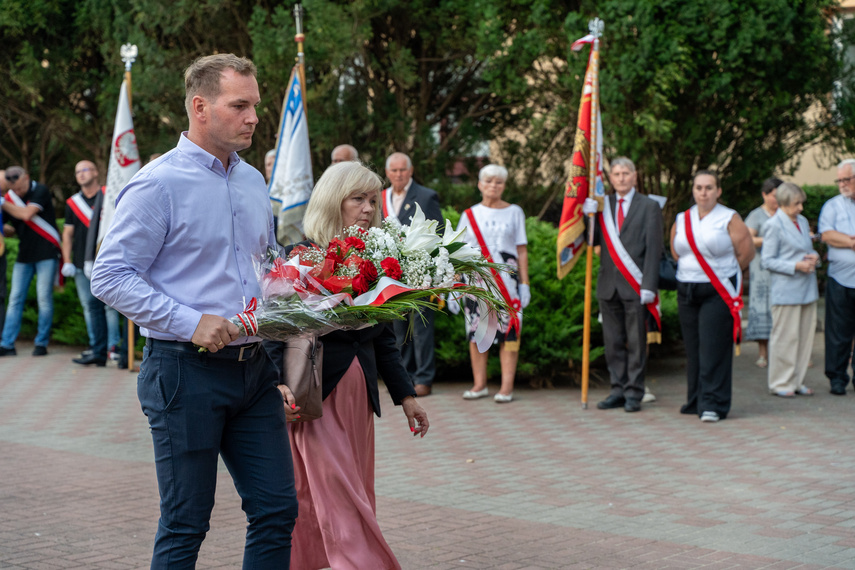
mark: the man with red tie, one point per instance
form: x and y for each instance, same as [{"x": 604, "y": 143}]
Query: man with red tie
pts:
[{"x": 629, "y": 231}]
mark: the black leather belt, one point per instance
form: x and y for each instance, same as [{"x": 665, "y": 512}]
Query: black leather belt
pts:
[{"x": 239, "y": 353}]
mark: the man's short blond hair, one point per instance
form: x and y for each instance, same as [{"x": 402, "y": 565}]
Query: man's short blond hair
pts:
[{"x": 202, "y": 77}]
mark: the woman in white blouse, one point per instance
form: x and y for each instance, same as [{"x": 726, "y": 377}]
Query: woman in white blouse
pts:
[
  {"x": 498, "y": 227},
  {"x": 789, "y": 256},
  {"x": 709, "y": 287}
]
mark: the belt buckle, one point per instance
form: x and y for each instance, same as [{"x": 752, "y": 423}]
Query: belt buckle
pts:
[{"x": 243, "y": 348}]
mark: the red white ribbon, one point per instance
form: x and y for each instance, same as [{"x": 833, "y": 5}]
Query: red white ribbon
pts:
[{"x": 248, "y": 318}]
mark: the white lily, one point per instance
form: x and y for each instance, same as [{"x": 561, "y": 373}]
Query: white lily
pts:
[
  {"x": 466, "y": 254},
  {"x": 420, "y": 234},
  {"x": 449, "y": 236}
]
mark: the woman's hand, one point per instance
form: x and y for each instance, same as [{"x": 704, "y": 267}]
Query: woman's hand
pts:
[
  {"x": 416, "y": 416},
  {"x": 806, "y": 265},
  {"x": 292, "y": 410}
]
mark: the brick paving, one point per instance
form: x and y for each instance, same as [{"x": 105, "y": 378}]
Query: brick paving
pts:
[{"x": 539, "y": 483}]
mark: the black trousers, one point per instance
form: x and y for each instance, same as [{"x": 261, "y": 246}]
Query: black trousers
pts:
[
  {"x": 625, "y": 339},
  {"x": 839, "y": 331},
  {"x": 417, "y": 351},
  {"x": 708, "y": 335}
]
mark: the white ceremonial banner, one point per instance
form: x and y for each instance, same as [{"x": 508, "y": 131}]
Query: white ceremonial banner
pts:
[
  {"x": 291, "y": 181},
  {"x": 124, "y": 160}
]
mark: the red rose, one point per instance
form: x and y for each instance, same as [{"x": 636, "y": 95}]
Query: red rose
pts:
[
  {"x": 360, "y": 285},
  {"x": 368, "y": 271},
  {"x": 355, "y": 243},
  {"x": 391, "y": 268}
]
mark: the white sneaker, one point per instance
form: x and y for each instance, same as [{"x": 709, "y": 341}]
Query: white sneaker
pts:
[
  {"x": 709, "y": 417},
  {"x": 474, "y": 395},
  {"x": 503, "y": 398}
]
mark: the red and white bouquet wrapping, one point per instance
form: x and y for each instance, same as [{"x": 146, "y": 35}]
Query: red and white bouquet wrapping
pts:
[{"x": 364, "y": 277}]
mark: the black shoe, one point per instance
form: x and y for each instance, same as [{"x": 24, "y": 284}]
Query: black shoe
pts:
[
  {"x": 836, "y": 389},
  {"x": 85, "y": 353},
  {"x": 611, "y": 402},
  {"x": 687, "y": 409},
  {"x": 122, "y": 363},
  {"x": 39, "y": 350},
  {"x": 632, "y": 405},
  {"x": 7, "y": 351},
  {"x": 91, "y": 359}
]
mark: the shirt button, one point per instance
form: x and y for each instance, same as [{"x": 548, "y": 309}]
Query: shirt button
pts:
[
  {"x": 355, "y": 345},
  {"x": 244, "y": 281},
  {"x": 235, "y": 213},
  {"x": 237, "y": 248}
]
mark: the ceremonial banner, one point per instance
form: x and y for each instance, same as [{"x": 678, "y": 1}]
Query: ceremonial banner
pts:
[
  {"x": 124, "y": 160},
  {"x": 291, "y": 181},
  {"x": 571, "y": 230}
]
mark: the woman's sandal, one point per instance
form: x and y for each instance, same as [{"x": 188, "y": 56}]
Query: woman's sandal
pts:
[{"x": 762, "y": 362}]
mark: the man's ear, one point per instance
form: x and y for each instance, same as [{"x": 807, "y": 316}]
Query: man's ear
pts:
[{"x": 199, "y": 107}]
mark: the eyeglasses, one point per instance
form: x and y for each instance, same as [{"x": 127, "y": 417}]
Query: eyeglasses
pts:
[
  {"x": 846, "y": 180},
  {"x": 82, "y": 170},
  {"x": 12, "y": 178}
]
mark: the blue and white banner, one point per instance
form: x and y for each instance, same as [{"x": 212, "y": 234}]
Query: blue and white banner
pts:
[{"x": 291, "y": 181}]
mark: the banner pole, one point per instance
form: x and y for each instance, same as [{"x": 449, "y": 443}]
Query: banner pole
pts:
[
  {"x": 129, "y": 56},
  {"x": 596, "y": 28}
]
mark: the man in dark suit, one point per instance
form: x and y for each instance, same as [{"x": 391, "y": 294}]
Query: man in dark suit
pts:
[
  {"x": 629, "y": 232},
  {"x": 400, "y": 199}
]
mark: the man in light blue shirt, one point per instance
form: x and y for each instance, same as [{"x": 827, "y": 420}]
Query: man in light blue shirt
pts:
[
  {"x": 837, "y": 227},
  {"x": 178, "y": 261}
]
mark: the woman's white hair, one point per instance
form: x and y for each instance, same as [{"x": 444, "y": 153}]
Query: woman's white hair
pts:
[
  {"x": 323, "y": 220},
  {"x": 789, "y": 193},
  {"x": 493, "y": 171}
]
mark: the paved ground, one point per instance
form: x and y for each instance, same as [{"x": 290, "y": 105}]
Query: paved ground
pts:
[{"x": 539, "y": 483}]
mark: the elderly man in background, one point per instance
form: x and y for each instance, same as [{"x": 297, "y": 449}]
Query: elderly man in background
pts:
[
  {"x": 400, "y": 200},
  {"x": 344, "y": 153},
  {"x": 29, "y": 207},
  {"x": 837, "y": 227}
]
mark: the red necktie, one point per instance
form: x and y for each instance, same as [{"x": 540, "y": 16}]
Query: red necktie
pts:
[
  {"x": 797, "y": 225},
  {"x": 619, "y": 213}
]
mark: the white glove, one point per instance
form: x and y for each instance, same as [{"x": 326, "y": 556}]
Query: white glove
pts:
[
  {"x": 87, "y": 269},
  {"x": 590, "y": 206},
  {"x": 647, "y": 296},
  {"x": 453, "y": 305},
  {"x": 68, "y": 270},
  {"x": 525, "y": 295}
]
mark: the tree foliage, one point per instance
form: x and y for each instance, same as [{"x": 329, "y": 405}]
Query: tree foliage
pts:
[{"x": 685, "y": 83}]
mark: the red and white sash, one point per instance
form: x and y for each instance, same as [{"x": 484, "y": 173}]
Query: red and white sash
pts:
[
  {"x": 724, "y": 287},
  {"x": 514, "y": 304},
  {"x": 37, "y": 223},
  {"x": 623, "y": 261},
  {"x": 81, "y": 209},
  {"x": 386, "y": 203}
]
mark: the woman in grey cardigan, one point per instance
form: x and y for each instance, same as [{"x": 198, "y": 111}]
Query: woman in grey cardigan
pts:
[{"x": 789, "y": 256}]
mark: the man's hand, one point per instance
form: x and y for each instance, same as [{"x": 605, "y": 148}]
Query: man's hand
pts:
[
  {"x": 590, "y": 206},
  {"x": 214, "y": 332},
  {"x": 647, "y": 296},
  {"x": 525, "y": 295},
  {"x": 416, "y": 416},
  {"x": 68, "y": 270}
]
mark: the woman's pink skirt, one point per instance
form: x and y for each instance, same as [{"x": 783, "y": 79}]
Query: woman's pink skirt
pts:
[{"x": 334, "y": 473}]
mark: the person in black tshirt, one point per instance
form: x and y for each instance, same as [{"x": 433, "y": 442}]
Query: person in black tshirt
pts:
[{"x": 29, "y": 209}]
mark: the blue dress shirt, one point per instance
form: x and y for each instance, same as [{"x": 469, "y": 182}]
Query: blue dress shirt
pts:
[{"x": 182, "y": 242}]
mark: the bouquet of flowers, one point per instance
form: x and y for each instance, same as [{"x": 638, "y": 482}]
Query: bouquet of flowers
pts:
[{"x": 365, "y": 277}]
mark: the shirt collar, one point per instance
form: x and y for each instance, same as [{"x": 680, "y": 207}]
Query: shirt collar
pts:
[
  {"x": 205, "y": 158},
  {"x": 627, "y": 198},
  {"x": 406, "y": 188}
]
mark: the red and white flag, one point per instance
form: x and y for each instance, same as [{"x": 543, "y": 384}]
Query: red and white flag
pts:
[
  {"x": 124, "y": 160},
  {"x": 571, "y": 230}
]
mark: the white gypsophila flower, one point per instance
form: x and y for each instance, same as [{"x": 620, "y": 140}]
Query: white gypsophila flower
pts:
[
  {"x": 416, "y": 268},
  {"x": 443, "y": 275},
  {"x": 420, "y": 234}
]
